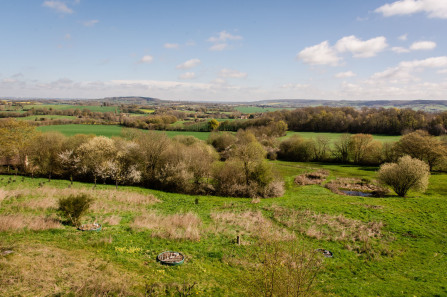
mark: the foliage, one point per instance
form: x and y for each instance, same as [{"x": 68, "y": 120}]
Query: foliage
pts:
[
  {"x": 421, "y": 145},
  {"x": 213, "y": 124},
  {"x": 295, "y": 148},
  {"x": 406, "y": 174},
  {"x": 289, "y": 271},
  {"x": 15, "y": 138},
  {"x": 74, "y": 207}
]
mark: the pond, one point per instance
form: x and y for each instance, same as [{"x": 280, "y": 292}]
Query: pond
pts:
[{"x": 357, "y": 193}]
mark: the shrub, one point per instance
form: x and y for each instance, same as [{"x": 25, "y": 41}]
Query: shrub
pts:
[
  {"x": 283, "y": 271},
  {"x": 74, "y": 207},
  {"x": 296, "y": 149},
  {"x": 406, "y": 174}
]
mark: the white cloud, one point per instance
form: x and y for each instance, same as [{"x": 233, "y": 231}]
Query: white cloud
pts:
[
  {"x": 187, "y": 75},
  {"x": 219, "y": 47},
  {"x": 443, "y": 71},
  {"x": 89, "y": 23},
  {"x": 57, "y": 6},
  {"x": 359, "y": 48},
  {"x": 403, "y": 37},
  {"x": 433, "y": 8},
  {"x": 400, "y": 50},
  {"x": 295, "y": 86},
  {"x": 229, "y": 73},
  {"x": 402, "y": 73},
  {"x": 345, "y": 74},
  {"x": 223, "y": 36},
  {"x": 221, "y": 40},
  {"x": 423, "y": 45},
  {"x": 171, "y": 45},
  {"x": 189, "y": 64},
  {"x": 147, "y": 59},
  {"x": 320, "y": 54}
]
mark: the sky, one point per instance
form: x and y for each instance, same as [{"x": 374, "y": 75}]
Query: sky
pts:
[{"x": 232, "y": 50}]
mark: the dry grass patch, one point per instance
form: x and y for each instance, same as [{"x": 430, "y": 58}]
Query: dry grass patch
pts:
[
  {"x": 14, "y": 222},
  {"x": 111, "y": 220},
  {"x": 312, "y": 178},
  {"x": 176, "y": 226},
  {"x": 356, "y": 184},
  {"x": 41, "y": 270},
  {"x": 250, "y": 222},
  {"x": 327, "y": 227},
  {"x": 105, "y": 200}
]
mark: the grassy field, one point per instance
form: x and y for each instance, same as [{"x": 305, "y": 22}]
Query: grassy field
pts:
[
  {"x": 109, "y": 130},
  {"x": 335, "y": 136},
  {"x": 257, "y": 109},
  {"x": 113, "y": 130},
  {"x": 72, "y": 129},
  {"x": 406, "y": 257},
  {"x": 95, "y": 108},
  {"x": 47, "y": 117}
]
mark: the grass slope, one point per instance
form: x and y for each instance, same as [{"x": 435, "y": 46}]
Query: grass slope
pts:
[
  {"x": 408, "y": 259},
  {"x": 335, "y": 136},
  {"x": 109, "y": 130},
  {"x": 94, "y": 108}
]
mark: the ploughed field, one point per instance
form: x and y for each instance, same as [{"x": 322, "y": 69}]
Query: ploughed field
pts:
[{"x": 388, "y": 246}]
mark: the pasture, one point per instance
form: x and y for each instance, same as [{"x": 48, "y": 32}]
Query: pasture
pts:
[
  {"x": 114, "y": 130},
  {"x": 382, "y": 246},
  {"x": 94, "y": 108},
  {"x": 257, "y": 109},
  {"x": 109, "y": 130}
]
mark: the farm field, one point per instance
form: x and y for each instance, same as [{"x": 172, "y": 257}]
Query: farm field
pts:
[
  {"x": 94, "y": 108},
  {"x": 335, "y": 136},
  {"x": 109, "y": 130},
  {"x": 405, "y": 257},
  {"x": 257, "y": 109},
  {"x": 72, "y": 129},
  {"x": 47, "y": 117},
  {"x": 114, "y": 130}
]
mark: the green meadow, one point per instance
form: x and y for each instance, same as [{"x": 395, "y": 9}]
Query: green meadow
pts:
[
  {"x": 405, "y": 257},
  {"x": 94, "y": 108},
  {"x": 335, "y": 136},
  {"x": 109, "y": 130},
  {"x": 257, "y": 109},
  {"x": 114, "y": 130}
]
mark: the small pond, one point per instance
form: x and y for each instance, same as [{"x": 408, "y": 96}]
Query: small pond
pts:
[{"x": 357, "y": 193}]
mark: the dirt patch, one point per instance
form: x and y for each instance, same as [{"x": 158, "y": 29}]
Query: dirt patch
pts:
[
  {"x": 343, "y": 186},
  {"x": 250, "y": 223},
  {"x": 312, "y": 178},
  {"x": 325, "y": 226},
  {"x": 176, "y": 226}
]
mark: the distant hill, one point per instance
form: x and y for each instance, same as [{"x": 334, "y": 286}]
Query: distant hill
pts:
[
  {"x": 426, "y": 105},
  {"x": 134, "y": 100}
]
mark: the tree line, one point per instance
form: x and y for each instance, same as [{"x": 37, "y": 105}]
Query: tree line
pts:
[
  {"x": 391, "y": 121},
  {"x": 362, "y": 149},
  {"x": 182, "y": 164}
]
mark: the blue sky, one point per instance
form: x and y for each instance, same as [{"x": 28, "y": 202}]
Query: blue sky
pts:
[{"x": 224, "y": 50}]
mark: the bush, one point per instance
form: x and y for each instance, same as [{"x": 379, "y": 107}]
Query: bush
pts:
[
  {"x": 406, "y": 174},
  {"x": 291, "y": 270},
  {"x": 74, "y": 207},
  {"x": 296, "y": 149}
]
